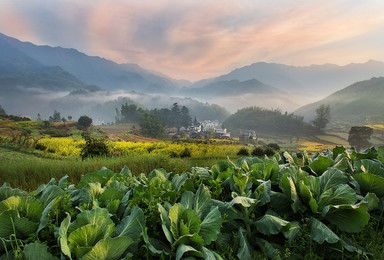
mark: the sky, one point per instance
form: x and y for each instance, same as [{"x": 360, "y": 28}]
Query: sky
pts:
[{"x": 196, "y": 39}]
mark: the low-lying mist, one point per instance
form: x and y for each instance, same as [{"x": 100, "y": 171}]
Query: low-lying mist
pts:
[{"x": 99, "y": 105}]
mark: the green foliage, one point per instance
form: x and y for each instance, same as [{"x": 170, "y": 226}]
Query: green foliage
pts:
[
  {"x": 274, "y": 146},
  {"x": 151, "y": 126},
  {"x": 243, "y": 151},
  {"x": 185, "y": 153},
  {"x": 15, "y": 118},
  {"x": 323, "y": 113},
  {"x": 46, "y": 124},
  {"x": 262, "y": 151},
  {"x": 84, "y": 122},
  {"x": 95, "y": 147},
  {"x": 174, "y": 117},
  {"x": 267, "y": 121},
  {"x": 359, "y": 136},
  {"x": 128, "y": 114},
  {"x": 327, "y": 206}
]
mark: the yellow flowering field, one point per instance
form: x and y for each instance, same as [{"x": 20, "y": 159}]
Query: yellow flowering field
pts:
[
  {"x": 62, "y": 145},
  {"x": 67, "y": 146},
  {"x": 311, "y": 146}
]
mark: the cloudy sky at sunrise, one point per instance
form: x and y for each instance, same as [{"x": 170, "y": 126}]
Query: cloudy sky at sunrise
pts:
[{"x": 195, "y": 39}]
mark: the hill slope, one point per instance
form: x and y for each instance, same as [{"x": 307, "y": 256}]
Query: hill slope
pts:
[
  {"x": 18, "y": 70},
  {"x": 267, "y": 121},
  {"x": 359, "y": 103}
]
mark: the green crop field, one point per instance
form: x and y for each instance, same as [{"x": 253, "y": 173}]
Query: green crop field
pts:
[{"x": 328, "y": 206}]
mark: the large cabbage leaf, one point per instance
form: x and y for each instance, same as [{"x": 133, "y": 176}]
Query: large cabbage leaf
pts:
[
  {"x": 12, "y": 223},
  {"x": 35, "y": 251},
  {"x": 320, "y": 232},
  {"x": 349, "y": 218},
  {"x": 6, "y": 192},
  {"x": 370, "y": 183},
  {"x": 28, "y": 207},
  {"x": 270, "y": 224},
  {"x": 108, "y": 249},
  {"x": 132, "y": 225}
]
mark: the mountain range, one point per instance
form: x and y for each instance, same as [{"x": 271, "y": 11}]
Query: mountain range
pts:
[
  {"x": 32, "y": 75},
  {"x": 315, "y": 79},
  {"x": 92, "y": 70}
]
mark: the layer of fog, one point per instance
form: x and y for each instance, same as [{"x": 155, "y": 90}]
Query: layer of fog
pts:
[
  {"x": 287, "y": 103},
  {"x": 100, "y": 105}
]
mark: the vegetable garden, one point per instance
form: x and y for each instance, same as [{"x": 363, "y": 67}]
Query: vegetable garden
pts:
[{"x": 328, "y": 206}]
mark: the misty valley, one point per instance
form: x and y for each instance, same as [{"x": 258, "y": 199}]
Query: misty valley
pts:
[{"x": 101, "y": 160}]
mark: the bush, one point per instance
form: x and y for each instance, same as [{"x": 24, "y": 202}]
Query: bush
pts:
[
  {"x": 40, "y": 147},
  {"x": 185, "y": 153},
  {"x": 265, "y": 150},
  {"x": 45, "y": 124},
  {"x": 274, "y": 146},
  {"x": 94, "y": 147},
  {"x": 258, "y": 151},
  {"x": 243, "y": 151},
  {"x": 268, "y": 151},
  {"x": 84, "y": 122}
]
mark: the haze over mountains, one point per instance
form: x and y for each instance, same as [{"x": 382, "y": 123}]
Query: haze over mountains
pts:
[
  {"x": 359, "y": 103},
  {"x": 37, "y": 79}
]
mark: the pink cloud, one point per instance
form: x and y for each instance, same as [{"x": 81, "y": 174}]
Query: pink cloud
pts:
[{"x": 197, "y": 39}]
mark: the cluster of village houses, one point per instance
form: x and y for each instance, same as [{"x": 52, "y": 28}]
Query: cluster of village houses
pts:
[{"x": 208, "y": 129}]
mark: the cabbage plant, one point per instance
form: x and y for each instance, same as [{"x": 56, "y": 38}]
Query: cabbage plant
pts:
[
  {"x": 191, "y": 225},
  {"x": 93, "y": 235}
]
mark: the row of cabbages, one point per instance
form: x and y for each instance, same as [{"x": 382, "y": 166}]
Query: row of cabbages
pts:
[{"x": 247, "y": 209}]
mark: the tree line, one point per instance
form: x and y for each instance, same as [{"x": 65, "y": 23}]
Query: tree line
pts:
[{"x": 153, "y": 122}]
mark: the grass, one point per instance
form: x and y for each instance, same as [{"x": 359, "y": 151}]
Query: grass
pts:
[{"x": 28, "y": 171}]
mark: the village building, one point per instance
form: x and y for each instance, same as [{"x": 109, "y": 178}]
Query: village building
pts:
[
  {"x": 247, "y": 136},
  {"x": 208, "y": 124},
  {"x": 222, "y": 134}
]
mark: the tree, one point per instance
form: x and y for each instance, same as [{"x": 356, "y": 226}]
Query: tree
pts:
[
  {"x": 2, "y": 111},
  {"x": 176, "y": 116},
  {"x": 56, "y": 117},
  {"x": 38, "y": 117},
  {"x": 129, "y": 113},
  {"x": 195, "y": 122},
  {"x": 69, "y": 118},
  {"x": 323, "y": 114},
  {"x": 185, "y": 118},
  {"x": 359, "y": 136},
  {"x": 84, "y": 122},
  {"x": 151, "y": 126}
]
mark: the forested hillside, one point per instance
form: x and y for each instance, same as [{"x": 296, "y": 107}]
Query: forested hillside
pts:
[{"x": 267, "y": 121}]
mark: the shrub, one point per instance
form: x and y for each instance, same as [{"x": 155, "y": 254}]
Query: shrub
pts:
[
  {"x": 40, "y": 147},
  {"x": 258, "y": 151},
  {"x": 95, "y": 147},
  {"x": 274, "y": 146},
  {"x": 243, "y": 151},
  {"x": 269, "y": 151},
  {"x": 84, "y": 122},
  {"x": 185, "y": 153}
]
